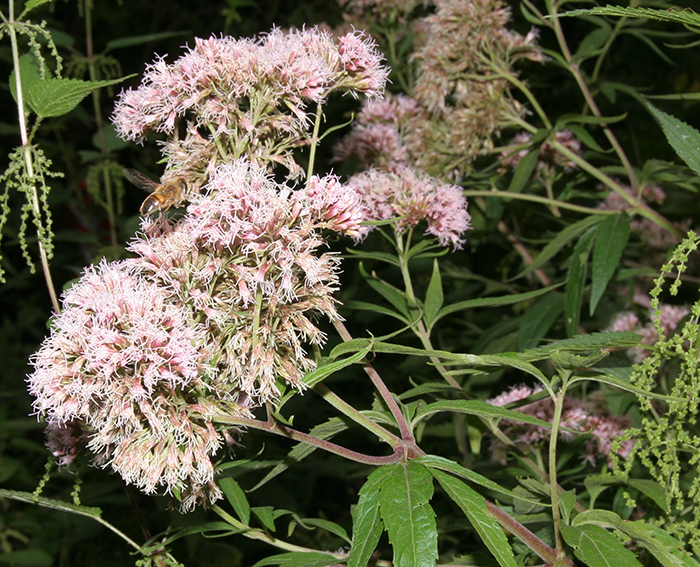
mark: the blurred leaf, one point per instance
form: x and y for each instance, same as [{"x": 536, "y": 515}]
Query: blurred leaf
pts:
[
  {"x": 684, "y": 138},
  {"x": 474, "y": 508},
  {"x": 576, "y": 282},
  {"x": 610, "y": 240},
  {"x": 404, "y": 504},
  {"x": 26, "y": 558},
  {"x": 133, "y": 40},
  {"x": 539, "y": 318},
  {"x": 559, "y": 241},
  {"x": 653, "y": 490},
  {"x": 524, "y": 170},
  {"x": 299, "y": 559},
  {"x": 597, "y": 547}
]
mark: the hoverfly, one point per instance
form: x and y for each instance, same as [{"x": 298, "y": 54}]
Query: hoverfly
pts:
[{"x": 163, "y": 195}]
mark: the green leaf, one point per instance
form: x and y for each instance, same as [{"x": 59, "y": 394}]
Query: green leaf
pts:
[
  {"x": 559, "y": 241},
  {"x": 434, "y": 297},
  {"x": 236, "y": 497},
  {"x": 329, "y": 526},
  {"x": 322, "y": 372},
  {"x": 131, "y": 41},
  {"x": 443, "y": 464},
  {"x": 653, "y": 490},
  {"x": 539, "y": 318},
  {"x": 474, "y": 508},
  {"x": 687, "y": 17},
  {"x": 610, "y": 240},
  {"x": 597, "y": 547},
  {"x": 576, "y": 282},
  {"x": 582, "y": 343},
  {"x": 669, "y": 551},
  {"x": 478, "y": 408},
  {"x": 26, "y": 557},
  {"x": 367, "y": 524},
  {"x": 404, "y": 504},
  {"x": 30, "y": 5},
  {"x": 523, "y": 172},
  {"x": 55, "y": 97},
  {"x": 624, "y": 385},
  {"x": 493, "y": 301},
  {"x": 684, "y": 138},
  {"x": 299, "y": 559},
  {"x": 393, "y": 295}
]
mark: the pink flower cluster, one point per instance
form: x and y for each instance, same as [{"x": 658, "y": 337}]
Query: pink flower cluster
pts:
[
  {"x": 548, "y": 156},
  {"x": 668, "y": 316},
  {"x": 412, "y": 197},
  {"x": 577, "y": 417},
  {"x": 209, "y": 319},
  {"x": 460, "y": 99},
  {"x": 245, "y": 96}
]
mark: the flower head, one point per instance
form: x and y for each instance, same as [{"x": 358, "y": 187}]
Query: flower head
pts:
[
  {"x": 413, "y": 197},
  {"x": 123, "y": 371}
]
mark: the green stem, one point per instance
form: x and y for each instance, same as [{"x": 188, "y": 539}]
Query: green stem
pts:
[
  {"x": 384, "y": 392},
  {"x": 253, "y": 533},
  {"x": 537, "y": 199},
  {"x": 357, "y": 416},
  {"x": 553, "y": 486},
  {"x": 29, "y": 164},
  {"x": 588, "y": 96},
  {"x": 314, "y": 140}
]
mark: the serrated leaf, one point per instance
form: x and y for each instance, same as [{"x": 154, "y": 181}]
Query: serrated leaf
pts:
[
  {"x": 404, "y": 505},
  {"x": 55, "y": 97},
  {"x": 582, "y": 343},
  {"x": 30, "y": 5},
  {"x": 679, "y": 16},
  {"x": 684, "y": 138},
  {"x": 576, "y": 282},
  {"x": 367, "y": 524},
  {"x": 610, "y": 240},
  {"x": 474, "y": 507},
  {"x": 434, "y": 297},
  {"x": 236, "y": 497},
  {"x": 299, "y": 559},
  {"x": 597, "y": 547}
]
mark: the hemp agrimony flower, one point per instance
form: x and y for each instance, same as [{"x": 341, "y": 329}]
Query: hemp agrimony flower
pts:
[
  {"x": 209, "y": 319},
  {"x": 245, "y": 97},
  {"x": 413, "y": 197}
]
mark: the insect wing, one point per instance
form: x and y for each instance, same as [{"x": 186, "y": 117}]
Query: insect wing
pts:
[{"x": 140, "y": 180}]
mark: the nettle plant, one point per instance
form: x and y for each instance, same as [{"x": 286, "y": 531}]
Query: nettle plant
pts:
[{"x": 160, "y": 365}]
